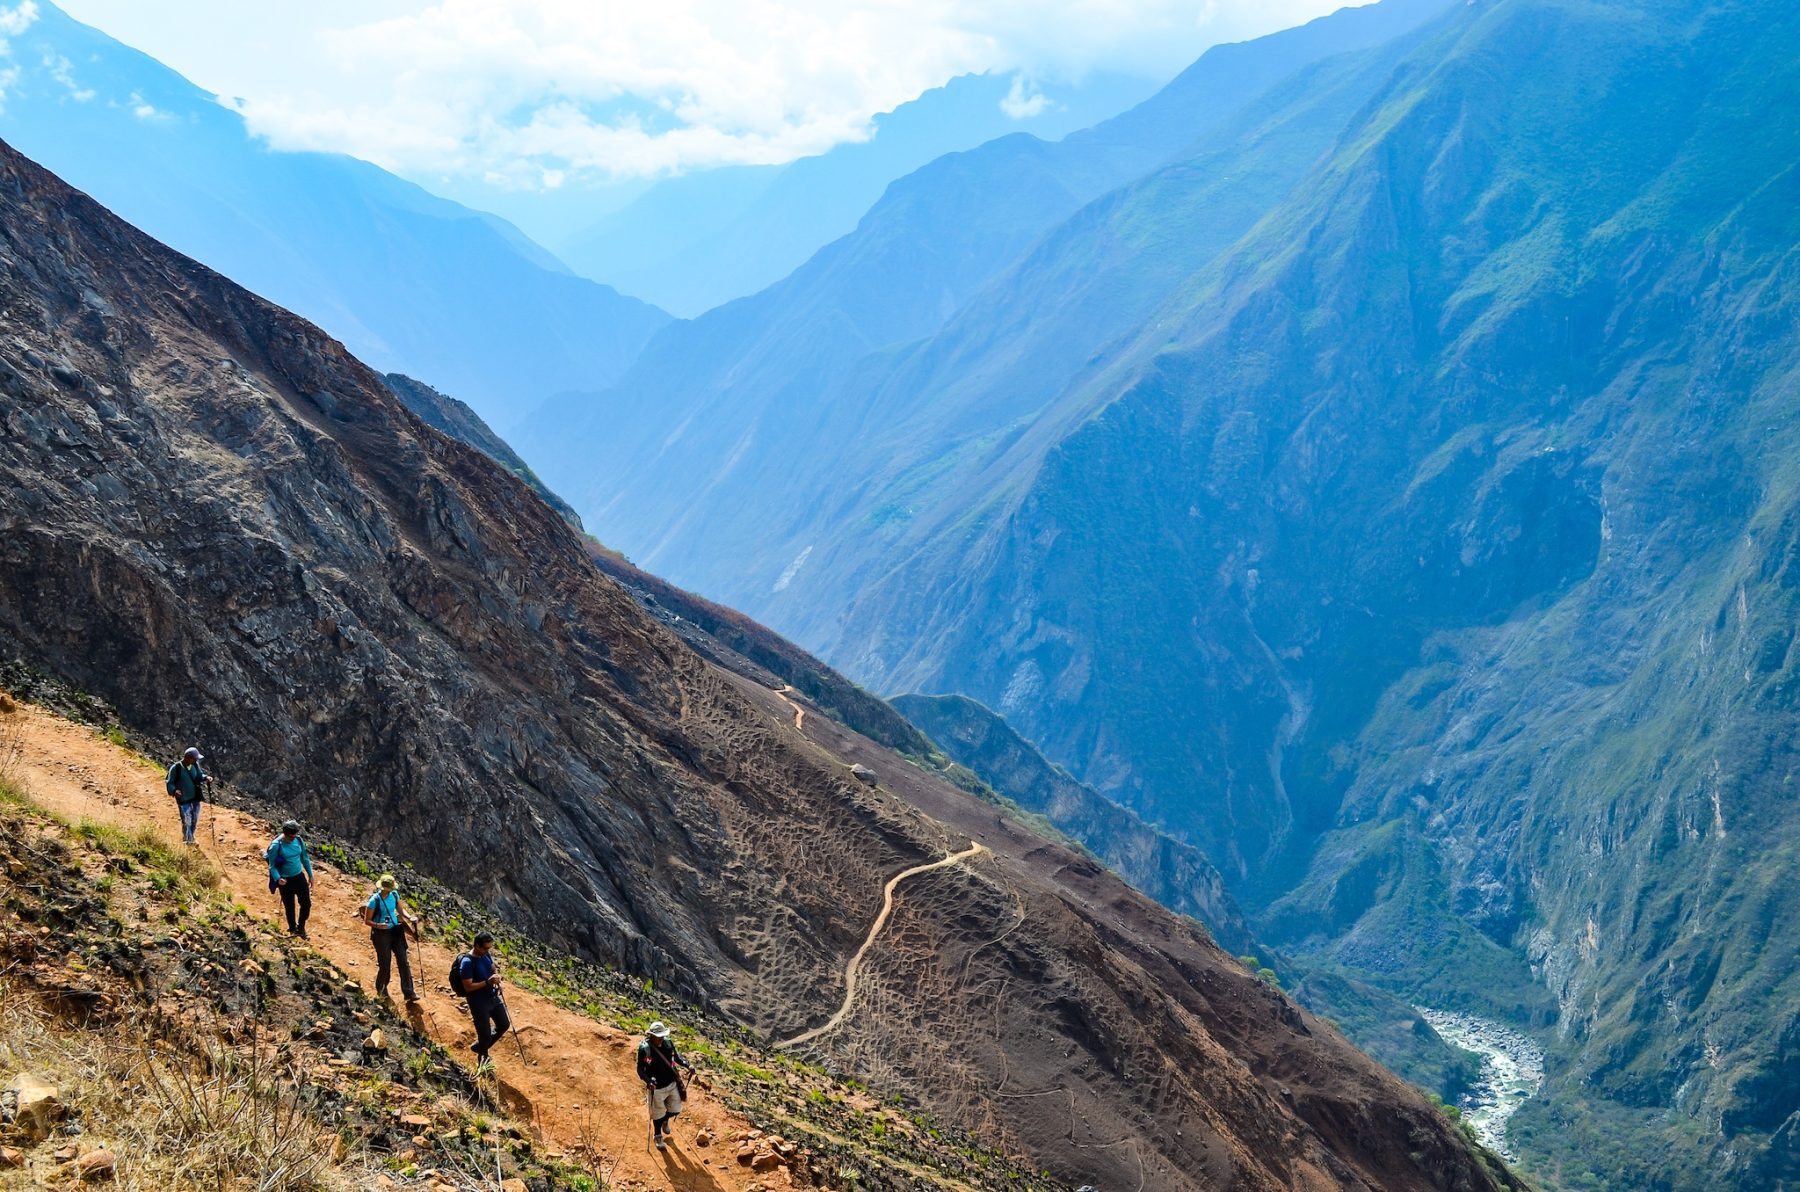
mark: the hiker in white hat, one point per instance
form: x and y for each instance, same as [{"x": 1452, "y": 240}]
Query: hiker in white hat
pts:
[
  {"x": 659, "y": 1066},
  {"x": 186, "y": 782}
]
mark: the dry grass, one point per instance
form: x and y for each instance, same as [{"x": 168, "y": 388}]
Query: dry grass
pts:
[
  {"x": 12, "y": 741},
  {"x": 214, "y": 1117}
]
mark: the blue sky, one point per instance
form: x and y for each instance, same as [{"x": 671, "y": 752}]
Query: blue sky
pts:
[{"x": 546, "y": 94}]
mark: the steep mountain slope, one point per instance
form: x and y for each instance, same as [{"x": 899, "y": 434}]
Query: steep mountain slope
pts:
[
  {"x": 456, "y": 419},
  {"x": 995, "y": 764},
  {"x": 1425, "y": 558},
  {"x": 739, "y": 393},
  {"x": 219, "y": 521},
  {"x": 411, "y": 283},
  {"x": 691, "y": 243}
]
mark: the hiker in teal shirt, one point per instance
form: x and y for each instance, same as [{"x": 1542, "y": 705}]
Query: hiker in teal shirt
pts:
[
  {"x": 388, "y": 926},
  {"x": 291, "y": 872}
]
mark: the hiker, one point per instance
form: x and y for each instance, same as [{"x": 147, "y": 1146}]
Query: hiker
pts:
[
  {"x": 389, "y": 921},
  {"x": 187, "y": 783},
  {"x": 476, "y": 978},
  {"x": 658, "y": 1065},
  {"x": 291, "y": 872}
]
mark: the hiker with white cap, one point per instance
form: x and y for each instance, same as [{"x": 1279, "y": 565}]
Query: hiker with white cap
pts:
[
  {"x": 187, "y": 783},
  {"x": 658, "y": 1066},
  {"x": 291, "y": 872},
  {"x": 389, "y": 921}
]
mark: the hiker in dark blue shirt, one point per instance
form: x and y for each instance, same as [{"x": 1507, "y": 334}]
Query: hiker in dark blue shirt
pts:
[
  {"x": 388, "y": 923},
  {"x": 476, "y": 979},
  {"x": 291, "y": 872},
  {"x": 186, "y": 781}
]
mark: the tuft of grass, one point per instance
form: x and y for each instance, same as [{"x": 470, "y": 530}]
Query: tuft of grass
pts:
[{"x": 170, "y": 865}]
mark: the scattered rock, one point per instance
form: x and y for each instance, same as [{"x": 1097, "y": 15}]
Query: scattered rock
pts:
[
  {"x": 703, "y": 1138},
  {"x": 63, "y": 1154},
  {"x": 376, "y": 1041},
  {"x": 765, "y": 1160},
  {"x": 864, "y": 775},
  {"x": 11, "y": 1157},
  {"x": 513, "y": 1185},
  {"x": 746, "y": 1155},
  {"x": 416, "y": 1121},
  {"x": 36, "y": 1105},
  {"x": 97, "y": 1165}
]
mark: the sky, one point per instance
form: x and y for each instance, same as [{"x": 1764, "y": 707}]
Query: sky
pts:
[{"x": 538, "y": 95}]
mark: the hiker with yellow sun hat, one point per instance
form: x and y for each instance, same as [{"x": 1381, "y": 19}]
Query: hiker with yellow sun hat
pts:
[{"x": 389, "y": 921}]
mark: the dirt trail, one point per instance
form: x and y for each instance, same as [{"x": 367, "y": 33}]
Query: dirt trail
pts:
[
  {"x": 799, "y": 712},
  {"x": 579, "y": 1085},
  {"x": 851, "y": 970}
]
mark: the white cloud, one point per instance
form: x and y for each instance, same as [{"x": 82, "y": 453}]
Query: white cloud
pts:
[
  {"x": 1023, "y": 100},
  {"x": 18, "y": 18},
  {"x": 543, "y": 93},
  {"x": 62, "y": 71},
  {"x": 14, "y": 20},
  {"x": 143, "y": 109}
]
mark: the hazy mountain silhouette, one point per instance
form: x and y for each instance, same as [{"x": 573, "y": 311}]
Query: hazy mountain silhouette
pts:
[{"x": 408, "y": 281}]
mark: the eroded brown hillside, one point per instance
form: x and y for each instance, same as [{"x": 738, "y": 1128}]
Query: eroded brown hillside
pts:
[{"x": 225, "y": 525}]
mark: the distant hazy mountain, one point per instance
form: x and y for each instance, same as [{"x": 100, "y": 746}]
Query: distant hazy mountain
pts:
[
  {"x": 409, "y": 282},
  {"x": 688, "y": 462},
  {"x": 692, "y": 242}
]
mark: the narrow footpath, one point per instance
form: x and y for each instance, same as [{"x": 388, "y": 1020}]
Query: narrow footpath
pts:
[
  {"x": 578, "y": 1085},
  {"x": 853, "y": 969}
]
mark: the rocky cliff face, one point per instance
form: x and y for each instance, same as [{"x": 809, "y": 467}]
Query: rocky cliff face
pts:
[{"x": 222, "y": 523}]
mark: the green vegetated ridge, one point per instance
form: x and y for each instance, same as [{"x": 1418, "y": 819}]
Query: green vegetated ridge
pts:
[
  {"x": 1428, "y": 563},
  {"x": 1422, "y": 548}
]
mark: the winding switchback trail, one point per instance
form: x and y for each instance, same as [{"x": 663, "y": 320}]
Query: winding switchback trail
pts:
[
  {"x": 852, "y": 969},
  {"x": 799, "y": 712}
]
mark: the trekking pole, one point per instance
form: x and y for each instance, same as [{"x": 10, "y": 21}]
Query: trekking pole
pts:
[{"x": 512, "y": 1028}]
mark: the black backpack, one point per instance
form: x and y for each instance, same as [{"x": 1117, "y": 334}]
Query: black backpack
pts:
[{"x": 456, "y": 974}]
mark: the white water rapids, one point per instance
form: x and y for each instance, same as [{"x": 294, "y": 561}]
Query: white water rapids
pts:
[{"x": 1512, "y": 1071}]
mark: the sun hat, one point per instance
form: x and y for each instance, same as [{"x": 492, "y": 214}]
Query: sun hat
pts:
[
  {"x": 387, "y": 879},
  {"x": 659, "y": 1030}
]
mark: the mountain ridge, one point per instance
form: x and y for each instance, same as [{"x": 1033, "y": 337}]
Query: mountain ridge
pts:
[
  {"x": 410, "y": 282},
  {"x": 222, "y": 523}
]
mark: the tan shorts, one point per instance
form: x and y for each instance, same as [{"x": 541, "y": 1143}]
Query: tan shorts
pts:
[{"x": 665, "y": 1101}]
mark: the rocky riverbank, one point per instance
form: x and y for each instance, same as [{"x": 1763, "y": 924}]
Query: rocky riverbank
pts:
[{"x": 1512, "y": 1071}]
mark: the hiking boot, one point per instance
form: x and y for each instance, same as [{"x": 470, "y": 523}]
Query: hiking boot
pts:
[{"x": 662, "y": 1143}]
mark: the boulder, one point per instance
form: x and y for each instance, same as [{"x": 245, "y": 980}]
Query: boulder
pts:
[
  {"x": 37, "y": 1106},
  {"x": 765, "y": 1160},
  {"x": 864, "y": 775}
]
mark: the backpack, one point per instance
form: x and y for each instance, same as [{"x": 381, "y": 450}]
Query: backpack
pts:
[{"x": 456, "y": 974}]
